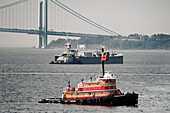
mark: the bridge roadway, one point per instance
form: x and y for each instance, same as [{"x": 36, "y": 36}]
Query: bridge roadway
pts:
[{"x": 37, "y": 32}]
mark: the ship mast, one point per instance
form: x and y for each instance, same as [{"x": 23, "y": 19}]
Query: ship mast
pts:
[{"x": 103, "y": 63}]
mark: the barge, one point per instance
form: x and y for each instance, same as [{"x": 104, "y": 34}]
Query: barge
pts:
[{"x": 85, "y": 57}]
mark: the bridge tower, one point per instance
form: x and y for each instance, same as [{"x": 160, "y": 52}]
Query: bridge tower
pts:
[
  {"x": 40, "y": 25},
  {"x": 46, "y": 24},
  {"x": 43, "y": 31}
]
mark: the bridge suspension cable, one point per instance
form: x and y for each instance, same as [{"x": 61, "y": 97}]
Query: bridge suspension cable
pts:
[
  {"x": 12, "y": 4},
  {"x": 83, "y": 18}
]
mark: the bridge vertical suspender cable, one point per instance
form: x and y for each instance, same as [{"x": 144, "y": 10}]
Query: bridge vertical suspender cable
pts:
[
  {"x": 19, "y": 18},
  {"x": 10, "y": 12},
  {"x": 86, "y": 18},
  {"x": 16, "y": 16},
  {"x": 83, "y": 18},
  {"x": 2, "y": 19},
  {"x": 5, "y": 17}
]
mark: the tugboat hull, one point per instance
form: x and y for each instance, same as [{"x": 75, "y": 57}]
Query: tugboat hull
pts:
[{"x": 129, "y": 99}]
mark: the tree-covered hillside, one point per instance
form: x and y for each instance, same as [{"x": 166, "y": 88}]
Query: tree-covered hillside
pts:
[{"x": 133, "y": 41}]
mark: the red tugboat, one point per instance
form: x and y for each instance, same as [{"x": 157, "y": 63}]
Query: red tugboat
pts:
[{"x": 103, "y": 91}]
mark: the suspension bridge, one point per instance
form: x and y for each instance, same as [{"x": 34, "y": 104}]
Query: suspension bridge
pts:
[{"x": 36, "y": 19}]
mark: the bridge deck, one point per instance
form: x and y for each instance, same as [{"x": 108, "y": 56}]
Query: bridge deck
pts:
[{"x": 37, "y": 32}]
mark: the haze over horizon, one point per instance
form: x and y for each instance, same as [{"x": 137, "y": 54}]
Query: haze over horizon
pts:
[{"x": 125, "y": 17}]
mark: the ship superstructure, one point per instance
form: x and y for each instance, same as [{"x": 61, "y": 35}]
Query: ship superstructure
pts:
[{"x": 104, "y": 86}]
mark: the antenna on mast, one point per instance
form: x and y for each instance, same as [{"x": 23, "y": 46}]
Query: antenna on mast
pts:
[{"x": 104, "y": 58}]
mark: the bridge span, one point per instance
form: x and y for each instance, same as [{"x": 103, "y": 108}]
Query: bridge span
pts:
[{"x": 38, "y": 32}]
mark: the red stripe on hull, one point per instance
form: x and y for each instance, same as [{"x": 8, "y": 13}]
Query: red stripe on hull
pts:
[
  {"x": 97, "y": 88},
  {"x": 87, "y": 97}
]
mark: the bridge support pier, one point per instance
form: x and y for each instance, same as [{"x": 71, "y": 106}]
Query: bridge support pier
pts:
[
  {"x": 46, "y": 24},
  {"x": 40, "y": 26},
  {"x": 40, "y": 42},
  {"x": 43, "y": 33}
]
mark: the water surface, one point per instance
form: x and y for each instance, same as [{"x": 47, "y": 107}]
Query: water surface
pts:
[{"x": 26, "y": 76}]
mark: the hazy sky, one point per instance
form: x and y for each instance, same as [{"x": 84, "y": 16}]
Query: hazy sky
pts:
[{"x": 122, "y": 16}]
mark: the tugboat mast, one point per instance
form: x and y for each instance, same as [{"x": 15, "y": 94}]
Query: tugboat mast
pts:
[{"x": 103, "y": 63}]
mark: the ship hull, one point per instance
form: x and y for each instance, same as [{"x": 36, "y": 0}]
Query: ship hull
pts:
[
  {"x": 129, "y": 99},
  {"x": 97, "y": 60},
  {"x": 91, "y": 60}
]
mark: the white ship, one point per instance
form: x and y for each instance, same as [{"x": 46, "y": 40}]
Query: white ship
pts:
[{"x": 71, "y": 56}]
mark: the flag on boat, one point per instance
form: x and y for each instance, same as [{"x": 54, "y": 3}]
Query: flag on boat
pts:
[{"x": 104, "y": 56}]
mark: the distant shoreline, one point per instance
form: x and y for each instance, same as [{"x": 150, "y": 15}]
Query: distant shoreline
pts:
[{"x": 131, "y": 42}]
